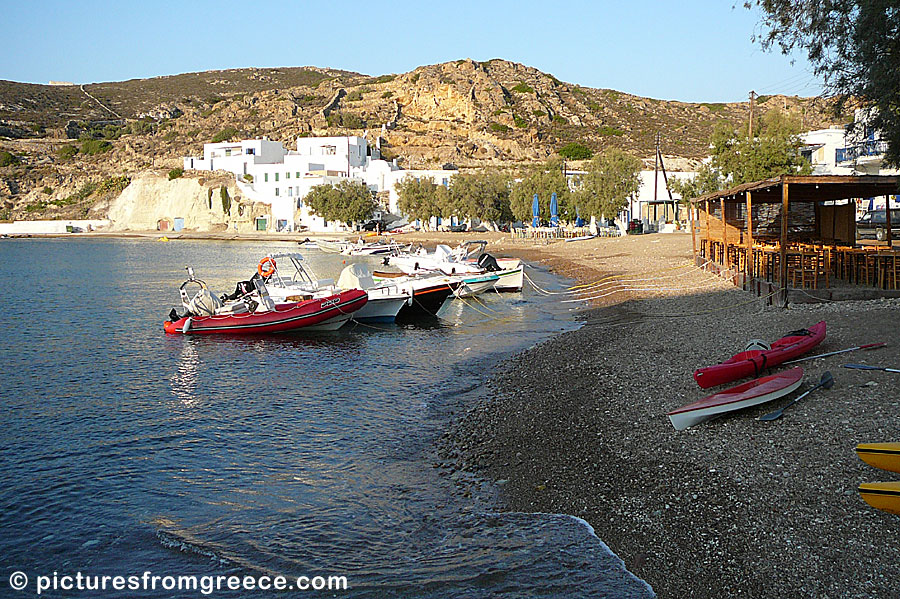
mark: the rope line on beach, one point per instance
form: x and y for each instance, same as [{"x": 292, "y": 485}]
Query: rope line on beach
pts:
[
  {"x": 616, "y": 279},
  {"x": 708, "y": 285}
]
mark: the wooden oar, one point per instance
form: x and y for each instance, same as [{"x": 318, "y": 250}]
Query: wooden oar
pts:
[
  {"x": 827, "y": 381},
  {"x": 867, "y": 367},
  {"x": 840, "y": 351}
]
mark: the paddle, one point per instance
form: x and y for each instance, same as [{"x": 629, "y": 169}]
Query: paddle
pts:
[
  {"x": 827, "y": 381},
  {"x": 867, "y": 367},
  {"x": 840, "y": 351}
]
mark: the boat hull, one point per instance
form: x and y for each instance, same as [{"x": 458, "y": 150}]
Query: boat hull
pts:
[
  {"x": 381, "y": 309},
  {"x": 882, "y": 496},
  {"x": 737, "y": 398},
  {"x": 511, "y": 279},
  {"x": 885, "y": 456},
  {"x": 320, "y": 314},
  {"x": 472, "y": 286},
  {"x": 425, "y": 302},
  {"x": 755, "y": 362}
]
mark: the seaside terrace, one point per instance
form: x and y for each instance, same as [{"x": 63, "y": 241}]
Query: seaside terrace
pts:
[{"x": 800, "y": 242}]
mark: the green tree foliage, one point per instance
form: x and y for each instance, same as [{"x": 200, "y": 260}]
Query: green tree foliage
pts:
[
  {"x": 576, "y": 151},
  {"x": 773, "y": 151},
  {"x": 226, "y": 134},
  {"x": 706, "y": 181},
  {"x": 523, "y": 88},
  {"x": 67, "y": 152},
  {"x": 852, "y": 44},
  {"x": 95, "y": 146},
  {"x": 175, "y": 173},
  {"x": 483, "y": 195},
  {"x": 347, "y": 202},
  {"x": 8, "y": 158},
  {"x": 422, "y": 198},
  {"x": 612, "y": 177},
  {"x": 226, "y": 199},
  {"x": 543, "y": 180}
]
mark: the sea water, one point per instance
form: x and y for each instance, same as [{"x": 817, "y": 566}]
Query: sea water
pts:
[{"x": 124, "y": 450}]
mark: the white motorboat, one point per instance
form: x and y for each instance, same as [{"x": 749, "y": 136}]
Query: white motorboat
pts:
[
  {"x": 468, "y": 258},
  {"x": 385, "y": 301}
]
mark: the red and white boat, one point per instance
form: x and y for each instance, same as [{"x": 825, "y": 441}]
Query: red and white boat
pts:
[
  {"x": 755, "y": 361},
  {"x": 742, "y": 396},
  {"x": 256, "y": 313}
]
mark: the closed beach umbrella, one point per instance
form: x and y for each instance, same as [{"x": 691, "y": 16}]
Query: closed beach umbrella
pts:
[
  {"x": 579, "y": 222},
  {"x": 535, "y": 212},
  {"x": 554, "y": 211}
]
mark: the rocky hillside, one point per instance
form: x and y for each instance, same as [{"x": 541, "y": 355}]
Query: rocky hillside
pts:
[{"x": 471, "y": 114}]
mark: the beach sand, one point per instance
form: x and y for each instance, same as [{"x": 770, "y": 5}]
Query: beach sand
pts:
[{"x": 732, "y": 507}]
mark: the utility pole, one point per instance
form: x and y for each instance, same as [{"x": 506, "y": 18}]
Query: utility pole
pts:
[
  {"x": 655, "y": 175},
  {"x": 752, "y": 100}
]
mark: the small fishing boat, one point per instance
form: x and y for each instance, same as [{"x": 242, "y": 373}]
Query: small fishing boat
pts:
[
  {"x": 475, "y": 284},
  {"x": 882, "y": 496},
  {"x": 881, "y": 455},
  {"x": 742, "y": 396},
  {"x": 331, "y": 246},
  {"x": 428, "y": 293},
  {"x": 754, "y": 362},
  {"x": 257, "y": 313},
  {"x": 468, "y": 258}
]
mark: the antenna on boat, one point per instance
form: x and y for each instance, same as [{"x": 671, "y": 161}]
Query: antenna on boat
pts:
[{"x": 190, "y": 271}]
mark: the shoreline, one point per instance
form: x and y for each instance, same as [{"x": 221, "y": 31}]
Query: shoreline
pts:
[{"x": 576, "y": 425}]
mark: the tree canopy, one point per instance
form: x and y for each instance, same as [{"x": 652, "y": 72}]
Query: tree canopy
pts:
[
  {"x": 543, "y": 180},
  {"x": 346, "y": 202},
  {"x": 422, "y": 198},
  {"x": 611, "y": 178},
  {"x": 853, "y": 44},
  {"x": 774, "y": 150},
  {"x": 483, "y": 195}
]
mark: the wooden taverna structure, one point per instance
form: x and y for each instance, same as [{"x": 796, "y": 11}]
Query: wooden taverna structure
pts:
[{"x": 793, "y": 238}]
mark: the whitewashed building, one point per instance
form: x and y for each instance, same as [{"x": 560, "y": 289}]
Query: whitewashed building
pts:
[{"x": 267, "y": 173}]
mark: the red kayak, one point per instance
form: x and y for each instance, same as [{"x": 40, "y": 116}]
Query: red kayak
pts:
[
  {"x": 754, "y": 362},
  {"x": 319, "y": 314},
  {"x": 744, "y": 395}
]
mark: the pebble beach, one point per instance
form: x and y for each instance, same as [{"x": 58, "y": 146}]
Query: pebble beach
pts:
[{"x": 733, "y": 507}]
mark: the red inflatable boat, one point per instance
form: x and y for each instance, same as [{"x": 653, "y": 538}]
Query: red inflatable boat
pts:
[
  {"x": 318, "y": 314},
  {"x": 753, "y": 362}
]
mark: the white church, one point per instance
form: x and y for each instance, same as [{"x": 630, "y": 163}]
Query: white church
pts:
[{"x": 268, "y": 173}]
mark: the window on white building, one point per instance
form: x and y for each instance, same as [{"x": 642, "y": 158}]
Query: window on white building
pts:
[
  {"x": 266, "y": 175},
  {"x": 250, "y": 151},
  {"x": 276, "y": 177},
  {"x": 290, "y": 192},
  {"x": 276, "y": 192},
  {"x": 329, "y": 150},
  {"x": 297, "y": 174},
  {"x": 287, "y": 175}
]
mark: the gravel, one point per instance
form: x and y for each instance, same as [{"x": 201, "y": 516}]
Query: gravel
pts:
[{"x": 733, "y": 507}]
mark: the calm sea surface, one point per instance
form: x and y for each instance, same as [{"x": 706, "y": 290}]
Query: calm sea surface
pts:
[{"x": 124, "y": 450}]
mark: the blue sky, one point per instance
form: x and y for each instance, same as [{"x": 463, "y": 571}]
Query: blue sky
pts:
[{"x": 691, "y": 50}]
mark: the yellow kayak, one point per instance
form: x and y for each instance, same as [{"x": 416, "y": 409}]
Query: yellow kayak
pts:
[
  {"x": 883, "y": 496},
  {"x": 881, "y": 455}
]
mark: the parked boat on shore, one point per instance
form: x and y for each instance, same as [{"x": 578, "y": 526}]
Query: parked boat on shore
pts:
[
  {"x": 754, "y": 362},
  {"x": 742, "y": 396}
]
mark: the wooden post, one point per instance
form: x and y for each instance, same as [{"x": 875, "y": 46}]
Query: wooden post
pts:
[
  {"x": 784, "y": 233},
  {"x": 691, "y": 208},
  {"x": 749, "y": 236},
  {"x": 887, "y": 221},
  {"x": 724, "y": 235}
]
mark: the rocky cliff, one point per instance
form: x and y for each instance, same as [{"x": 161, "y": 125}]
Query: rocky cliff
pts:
[{"x": 472, "y": 114}]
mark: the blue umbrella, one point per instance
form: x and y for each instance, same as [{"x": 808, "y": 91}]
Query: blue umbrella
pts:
[
  {"x": 536, "y": 212},
  {"x": 554, "y": 210},
  {"x": 579, "y": 222}
]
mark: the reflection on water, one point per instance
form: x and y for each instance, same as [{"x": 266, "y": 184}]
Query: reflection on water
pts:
[{"x": 124, "y": 449}]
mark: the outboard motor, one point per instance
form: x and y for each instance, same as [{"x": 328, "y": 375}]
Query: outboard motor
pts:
[{"x": 488, "y": 263}]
